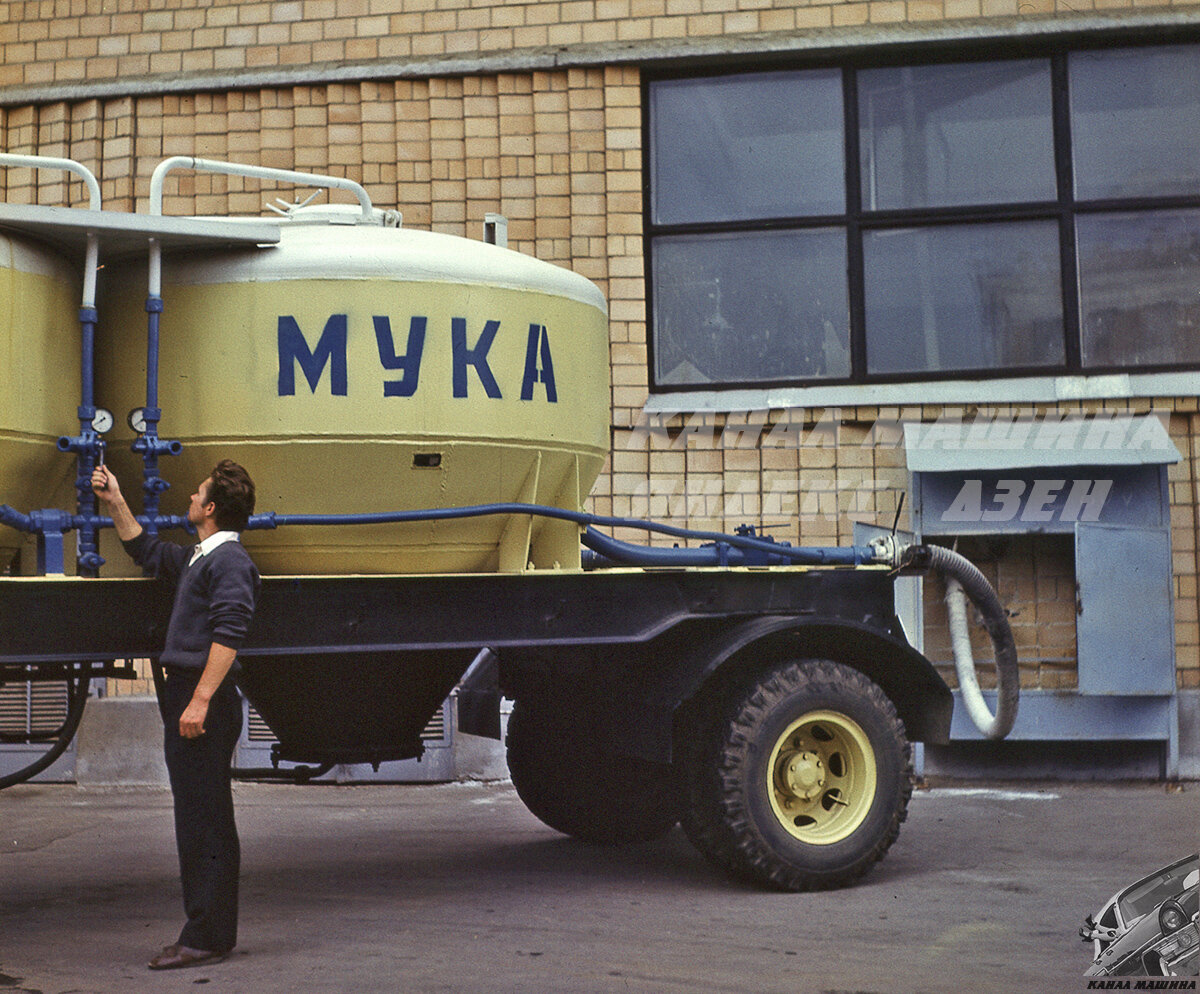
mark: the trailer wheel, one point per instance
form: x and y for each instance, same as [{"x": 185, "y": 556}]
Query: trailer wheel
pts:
[
  {"x": 583, "y": 791},
  {"x": 804, "y": 782}
]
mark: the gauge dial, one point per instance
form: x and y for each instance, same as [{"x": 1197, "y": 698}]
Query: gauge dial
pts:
[{"x": 102, "y": 420}]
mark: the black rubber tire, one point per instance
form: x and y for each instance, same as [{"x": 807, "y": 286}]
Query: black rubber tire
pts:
[
  {"x": 728, "y": 813},
  {"x": 583, "y": 792}
]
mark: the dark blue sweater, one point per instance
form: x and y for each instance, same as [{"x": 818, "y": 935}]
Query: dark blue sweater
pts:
[{"x": 214, "y": 597}]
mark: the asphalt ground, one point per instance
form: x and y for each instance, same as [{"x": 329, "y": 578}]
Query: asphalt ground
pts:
[{"x": 457, "y": 887}]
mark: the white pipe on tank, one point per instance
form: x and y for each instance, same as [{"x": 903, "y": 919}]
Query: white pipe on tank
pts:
[
  {"x": 155, "y": 268},
  {"x": 91, "y": 262},
  {"x": 92, "y": 257},
  {"x": 49, "y": 162},
  {"x": 255, "y": 172}
]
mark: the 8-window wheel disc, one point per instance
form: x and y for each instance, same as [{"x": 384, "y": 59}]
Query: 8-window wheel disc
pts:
[{"x": 821, "y": 777}]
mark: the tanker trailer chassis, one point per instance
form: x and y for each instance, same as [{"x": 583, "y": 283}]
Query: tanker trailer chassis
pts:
[
  {"x": 765, "y": 708},
  {"x": 769, "y": 710},
  {"x": 761, "y": 695}
]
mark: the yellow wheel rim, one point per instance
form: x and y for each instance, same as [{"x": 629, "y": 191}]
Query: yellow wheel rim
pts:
[{"x": 821, "y": 777}]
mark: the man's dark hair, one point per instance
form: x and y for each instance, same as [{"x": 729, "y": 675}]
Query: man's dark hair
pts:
[{"x": 232, "y": 491}]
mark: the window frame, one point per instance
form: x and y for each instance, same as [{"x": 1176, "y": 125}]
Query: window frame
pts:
[{"x": 855, "y": 221}]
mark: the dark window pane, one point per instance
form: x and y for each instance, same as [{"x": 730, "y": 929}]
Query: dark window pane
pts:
[
  {"x": 744, "y": 147},
  {"x": 944, "y": 136},
  {"x": 982, "y": 296},
  {"x": 1139, "y": 288},
  {"x": 1135, "y": 122},
  {"x": 741, "y": 308}
]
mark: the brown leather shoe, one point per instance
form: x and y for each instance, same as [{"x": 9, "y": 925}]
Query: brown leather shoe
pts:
[{"x": 175, "y": 957}]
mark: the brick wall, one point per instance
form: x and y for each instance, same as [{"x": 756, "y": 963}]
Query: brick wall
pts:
[
  {"x": 807, "y": 476},
  {"x": 558, "y": 153},
  {"x": 67, "y": 41}
]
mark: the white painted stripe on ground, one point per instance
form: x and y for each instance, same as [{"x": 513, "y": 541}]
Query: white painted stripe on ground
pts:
[{"x": 991, "y": 794}]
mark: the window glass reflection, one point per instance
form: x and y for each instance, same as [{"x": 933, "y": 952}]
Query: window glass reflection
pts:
[
  {"x": 1135, "y": 122},
  {"x": 948, "y": 135},
  {"x": 963, "y": 297},
  {"x": 751, "y": 307},
  {"x": 1139, "y": 299},
  {"x": 746, "y": 147}
]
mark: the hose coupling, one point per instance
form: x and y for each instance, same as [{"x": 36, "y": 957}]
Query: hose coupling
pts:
[{"x": 888, "y": 550}]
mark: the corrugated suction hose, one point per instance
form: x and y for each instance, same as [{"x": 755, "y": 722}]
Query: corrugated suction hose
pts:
[{"x": 963, "y": 578}]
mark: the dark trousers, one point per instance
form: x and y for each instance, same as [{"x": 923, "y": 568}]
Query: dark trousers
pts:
[{"x": 205, "y": 833}]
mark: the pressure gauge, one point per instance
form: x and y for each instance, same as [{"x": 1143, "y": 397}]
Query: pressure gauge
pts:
[
  {"x": 102, "y": 420},
  {"x": 137, "y": 419}
]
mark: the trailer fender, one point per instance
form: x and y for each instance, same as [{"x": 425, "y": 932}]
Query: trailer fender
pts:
[
  {"x": 707, "y": 671},
  {"x": 922, "y": 699}
]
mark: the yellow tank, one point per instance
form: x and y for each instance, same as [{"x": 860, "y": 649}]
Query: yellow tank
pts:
[
  {"x": 39, "y": 381},
  {"x": 358, "y": 367}
]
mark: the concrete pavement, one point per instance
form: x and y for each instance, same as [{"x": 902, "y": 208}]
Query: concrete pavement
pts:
[{"x": 457, "y": 888}]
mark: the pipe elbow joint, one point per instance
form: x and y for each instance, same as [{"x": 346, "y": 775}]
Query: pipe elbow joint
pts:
[{"x": 15, "y": 519}]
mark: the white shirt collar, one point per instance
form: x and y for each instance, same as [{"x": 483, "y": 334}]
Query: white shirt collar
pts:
[{"x": 210, "y": 543}]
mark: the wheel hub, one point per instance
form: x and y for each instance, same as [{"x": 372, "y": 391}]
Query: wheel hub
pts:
[{"x": 804, "y": 775}]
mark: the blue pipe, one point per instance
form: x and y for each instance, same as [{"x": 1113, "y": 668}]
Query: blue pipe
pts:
[
  {"x": 721, "y": 553},
  {"x": 148, "y": 443},
  {"x": 38, "y": 521},
  {"x": 154, "y": 307},
  {"x": 727, "y": 550},
  {"x": 87, "y": 364},
  {"x": 15, "y": 519},
  {"x": 87, "y": 446},
  {"x": 724, "y": 550}
]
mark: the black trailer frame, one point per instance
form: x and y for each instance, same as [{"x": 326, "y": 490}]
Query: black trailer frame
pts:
[{"x": 350, "y": 668}]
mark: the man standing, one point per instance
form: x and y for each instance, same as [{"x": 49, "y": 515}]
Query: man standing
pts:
[{"x": 216, "y": 586}]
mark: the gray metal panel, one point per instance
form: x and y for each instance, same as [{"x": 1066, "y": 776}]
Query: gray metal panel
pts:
[
  {"x": 1045, "y": 499},
  {"x": 983, "y": 444},
  {"x": 17, "y": 757},
  {"x": 906, "y": 589},
  {"x": 1125, "y": 631},
  {"x": 1056, "y": 716},
  {"x": 123, "y": 233}
]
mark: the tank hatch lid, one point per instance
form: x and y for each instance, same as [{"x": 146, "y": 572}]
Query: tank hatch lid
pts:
[{"x": 123, "y": 233}]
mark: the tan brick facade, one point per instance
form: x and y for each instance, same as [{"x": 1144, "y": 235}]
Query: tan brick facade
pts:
[
  {"x": 559, "y": 153},
  {"x": 807, "y": 476},
  {"x": 68, "y": 41}
]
